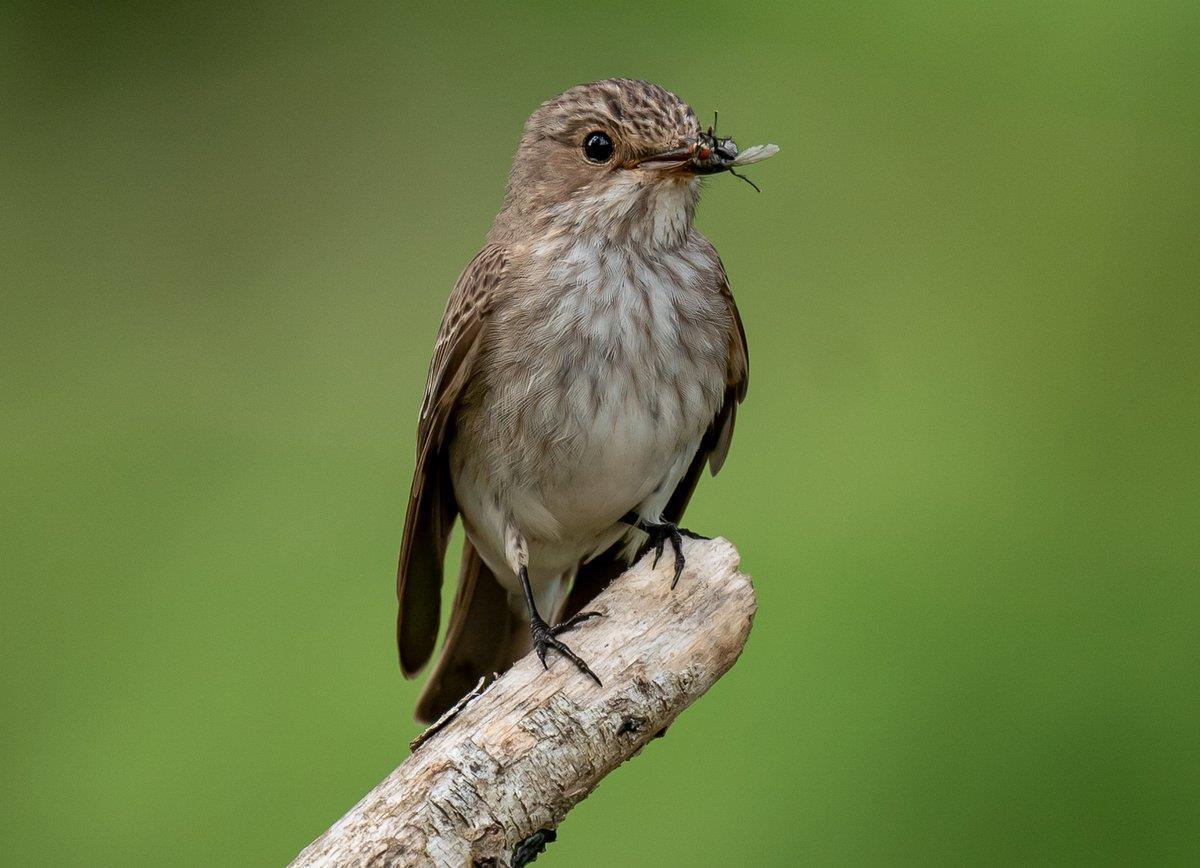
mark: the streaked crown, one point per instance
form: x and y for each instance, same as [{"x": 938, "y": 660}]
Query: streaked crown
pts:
[{"x": 641, "y": 118}]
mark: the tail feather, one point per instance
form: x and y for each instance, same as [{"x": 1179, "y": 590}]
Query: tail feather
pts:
[{"x": 485, "y": 636}]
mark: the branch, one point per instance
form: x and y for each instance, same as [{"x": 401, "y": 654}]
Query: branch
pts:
[{"x": 489, "y": 782}]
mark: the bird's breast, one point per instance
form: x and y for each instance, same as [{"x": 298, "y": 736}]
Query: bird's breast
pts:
[{"x": 600, "y": 376}]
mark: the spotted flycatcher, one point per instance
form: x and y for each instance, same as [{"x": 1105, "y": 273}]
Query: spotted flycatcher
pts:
[{"x": 589, "y": 364}]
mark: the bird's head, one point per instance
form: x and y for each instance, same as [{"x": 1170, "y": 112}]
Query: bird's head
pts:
[{"x": 619, "y": 158}]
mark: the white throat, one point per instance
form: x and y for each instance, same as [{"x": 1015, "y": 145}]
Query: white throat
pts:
[{"x": 645, "y": 212}]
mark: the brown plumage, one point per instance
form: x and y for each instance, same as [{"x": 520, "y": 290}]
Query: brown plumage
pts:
[{"x": 589, "y": 364}]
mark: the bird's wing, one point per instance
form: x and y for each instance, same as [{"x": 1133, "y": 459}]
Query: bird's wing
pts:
[
  {"x": 595, "y": 575},
  {"x": 714, "y": 447},
  {"x": 431, "y": 505}
]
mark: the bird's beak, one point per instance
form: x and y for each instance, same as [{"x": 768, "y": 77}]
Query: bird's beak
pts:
[{"x": 676, "y": 158}]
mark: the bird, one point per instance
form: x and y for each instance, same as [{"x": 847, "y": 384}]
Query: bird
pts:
[{"x": 588, "y": 366}]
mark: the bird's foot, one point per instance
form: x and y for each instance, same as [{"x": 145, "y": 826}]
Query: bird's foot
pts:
[
  {"x": 573, "y": 621},
  {"x": 546, "y": 637},
  {"x": 660, "y": 533}
]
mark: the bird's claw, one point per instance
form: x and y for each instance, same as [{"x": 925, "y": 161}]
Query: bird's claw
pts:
[
  {"x": 659, "y": 534},
  {"x": 574, "y": 621},
  {"x": 545, "y": 637}
]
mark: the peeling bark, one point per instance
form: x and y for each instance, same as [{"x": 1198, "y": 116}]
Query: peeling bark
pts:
[{"x": 492, "y": 780}]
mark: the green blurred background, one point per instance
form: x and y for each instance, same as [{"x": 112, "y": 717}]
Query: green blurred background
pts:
[{"x": 966, "y": 478}]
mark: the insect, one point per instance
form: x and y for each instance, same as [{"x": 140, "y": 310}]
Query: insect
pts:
[{"x": 717, "y": 154}]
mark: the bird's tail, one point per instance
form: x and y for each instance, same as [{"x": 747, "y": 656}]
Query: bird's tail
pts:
[{"x": 485, "y": 636}]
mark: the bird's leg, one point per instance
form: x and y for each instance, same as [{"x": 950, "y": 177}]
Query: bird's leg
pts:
[
  {"x": 543, "y": 635},
  {"x": 660, "y": 533}
]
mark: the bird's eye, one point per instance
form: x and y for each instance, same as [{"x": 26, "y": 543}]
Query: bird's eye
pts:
[{"x": 597, "y": 147}]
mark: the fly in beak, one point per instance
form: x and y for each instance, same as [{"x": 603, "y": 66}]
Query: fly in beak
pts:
[
  {"x": 706, "y": 155},
  {"x": 702, "y": 156}
]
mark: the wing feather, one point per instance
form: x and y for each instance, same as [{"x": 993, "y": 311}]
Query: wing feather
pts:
[
  {"x": 431, "y": 505},
  {"x": 714, "y": 447}
]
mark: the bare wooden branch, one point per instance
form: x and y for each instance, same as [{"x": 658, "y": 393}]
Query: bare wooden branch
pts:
[{"x": 490, "y": 785}]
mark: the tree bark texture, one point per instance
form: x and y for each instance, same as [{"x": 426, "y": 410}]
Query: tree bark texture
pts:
[{"x": 489, "y": 783}]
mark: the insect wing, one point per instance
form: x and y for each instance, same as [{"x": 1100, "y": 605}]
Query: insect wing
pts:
[{"x": 755, "y": 154}]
